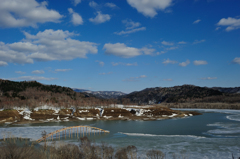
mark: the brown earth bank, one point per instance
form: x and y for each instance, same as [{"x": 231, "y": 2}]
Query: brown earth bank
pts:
[{"x": 126, "y": 113}]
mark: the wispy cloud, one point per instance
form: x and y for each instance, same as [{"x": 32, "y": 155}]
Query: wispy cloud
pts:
[
  {"x": 182, "y": 42},
  {"x": 20, "y": 72},
  {"x": 196, "y": 21},
  {"x": 167, "y": 43},
  {"x": 200, "y": 62},
  {"x": 131, "y": 27},
  {"x": 3, "y": 63},
  {"x": 108, "y": 73},
  {"x": 101, "y": 63},
  {"x": 38, "y": 72},
  {"x": 33, "y": 78},
  {"x": 208, "y": 78},
  {"x": 133, "y": 79},
  {"x": 62, "y": 70},
  {"x": 167, "y": 61},
  {"x": 169, "y": 79},
  {"x": 199, "y": 41},
  {"x": 124, "y": 64}
]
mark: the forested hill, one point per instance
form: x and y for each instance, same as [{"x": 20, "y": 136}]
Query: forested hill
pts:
[
  {"x": 32, "y": 93},
  {"x": 180, "y": 94}
]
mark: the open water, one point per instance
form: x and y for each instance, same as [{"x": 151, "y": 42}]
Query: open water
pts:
[{"x": 215, "y": 134}]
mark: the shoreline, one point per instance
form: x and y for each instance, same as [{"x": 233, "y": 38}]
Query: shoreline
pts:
[{"x": 25, "y": 116}]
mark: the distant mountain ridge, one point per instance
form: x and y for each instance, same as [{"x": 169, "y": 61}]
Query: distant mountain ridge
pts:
[
  {"x": 102, "y": 94},
  {"x": 183, "y": 94}
]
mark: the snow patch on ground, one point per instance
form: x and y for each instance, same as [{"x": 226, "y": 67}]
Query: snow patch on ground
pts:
[{"x": 172, "y": 115}]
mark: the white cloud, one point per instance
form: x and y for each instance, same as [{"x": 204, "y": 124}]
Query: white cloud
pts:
[
  {"x": 124, "y": 64},
  {"x": 200, "y": 62},
  {"x": 172, "y": 48},
  {"x": 121, "y": 50},
  {"x": 133, "y": 79},
  {"x": 20, "y": 72},
  {"x": 149, "y": 8},
  {"x": 76, "y": 18},
  {"x": 100, "y": 18},
  {"x": 108, "y": 73},
  {"x": 230, "y": 23},
  {"x": 76, "y": 2},
  {"x": 184, "y": 64},
  {"x": 131, "y": 27},
  {"x": 217, "y": 28},
  {"x": 236, "y": 60},
  {"x": 22, "y": 13},
  {"x": 100, "y": 63},
  {"x": 110, "y": 5},
  {"x": 130, "y": 24},
  {"x": 62, "y": 70},
  {"x": 167, "y": 61},
  {"x": 167, "y": 43},
  {"x": 209, "y": 78},
  {"x": 148, "y": 51},
  {"x": 38, "y": 72},
  {"x": 130, "y": 31},
  {"x": 196, "y": 21},
  {"x": 93, "y": 4},
  {"x": 182, "y": 42},
  {"x": 46, "y": 46},
  {"x": 3, "y": 63},
  {"x": 32, "y": 78},
  {"x": 198, "y": 41}
]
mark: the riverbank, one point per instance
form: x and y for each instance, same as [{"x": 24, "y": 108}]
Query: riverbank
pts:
[{"x": 55, "y": 114}]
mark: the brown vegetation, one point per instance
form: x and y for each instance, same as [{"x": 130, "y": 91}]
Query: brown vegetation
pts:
[{"x": 85, "y": 150}]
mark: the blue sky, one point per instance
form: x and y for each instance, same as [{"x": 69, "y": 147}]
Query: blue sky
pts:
[{"x": 121, "y": 45}]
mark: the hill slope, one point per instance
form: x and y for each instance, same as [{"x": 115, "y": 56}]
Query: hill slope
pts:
[
  {"x": 33, "y": 94},
  {"x": 184, "y": 93}
]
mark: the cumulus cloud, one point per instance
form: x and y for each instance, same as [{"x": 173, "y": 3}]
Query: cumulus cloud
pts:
[
  {"x": 131, "y": 27},
  {"x": 100, "y": 18},
  {"x": 149, "y": 8},
  {"x": 93, "y": 4},
  {"x": 148, "y": 51},
  {"x": 230, "y": 23},
  {"x": 200, "y": 62},
  {"x": 167, "y": 61},
  {"x": 62, "y": 70},
  {"x": 184, "y": 64},
  {"x": 167, "y": 43},
  {"x": 22, "y": 13},
  {"x": 46, "y": 46},
  {"x": 20, "y": 72},
  {"x": 3, "y": 63},
  {"x": 76, "y": 18},
  {"x": 121, "y": 50},
  {"x": 209, "y": 78},
  {"x": 236, "y": 60},
  {"x": 124, "y": 64},
  {"x": 100, "y": 63},
  {"x": 199, "y": 41},
  {"x": 133, "y": 79},
  {"x": 38, "y": 72},
  {"x": 196, "y": 21},
  {"x": 110, "y": 5},
  {"x": 76, "y": 2},
  {"x": 33, "y": 78}
]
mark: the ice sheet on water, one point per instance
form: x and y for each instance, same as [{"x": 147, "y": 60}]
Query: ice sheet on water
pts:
[
  {"x": 34, "y": 132},
  {"x": 153, "y": 135},
  {"x": 226, "y": 111}
]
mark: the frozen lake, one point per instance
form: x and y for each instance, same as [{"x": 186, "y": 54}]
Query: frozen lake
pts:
[{"x": 215, "y": 134}]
